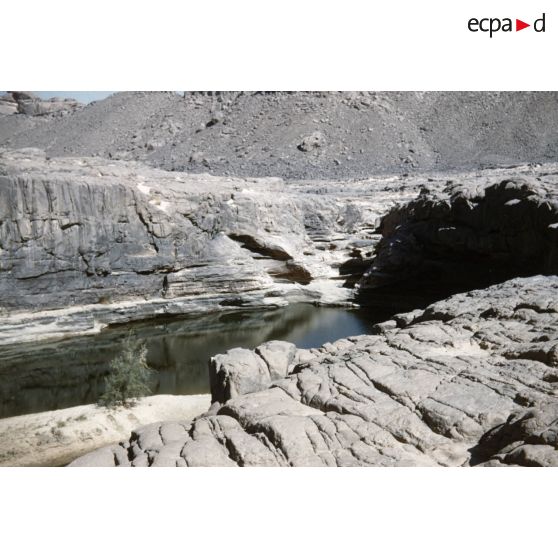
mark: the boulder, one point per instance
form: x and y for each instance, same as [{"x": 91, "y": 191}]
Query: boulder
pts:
[
  {"x": 241, "y": 371},
  {"x": 237, "y": 372},
  {"x": 313, "y": 142},
  {"x": 278, "y": 356}
]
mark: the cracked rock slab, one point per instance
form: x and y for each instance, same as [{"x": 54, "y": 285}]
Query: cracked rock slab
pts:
[{"x": 460, "y": 384}]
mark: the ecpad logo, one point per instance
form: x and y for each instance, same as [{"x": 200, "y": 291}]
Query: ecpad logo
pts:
[{"x": 493, "y": 25}]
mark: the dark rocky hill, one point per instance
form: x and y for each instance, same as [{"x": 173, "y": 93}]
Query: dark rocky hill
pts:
[{"x": 302, "y": 135}]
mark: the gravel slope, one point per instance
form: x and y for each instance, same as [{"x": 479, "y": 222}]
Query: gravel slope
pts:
[{"x": 303, "y": 135}]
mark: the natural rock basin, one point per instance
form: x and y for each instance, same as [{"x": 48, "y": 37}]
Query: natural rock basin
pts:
[
  {"x": 470, "y": 380},
  {"x": 46, "y": 376},
  {"x": 92, "y": 248}
]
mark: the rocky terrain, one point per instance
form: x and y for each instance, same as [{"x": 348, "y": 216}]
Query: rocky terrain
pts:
[
  {"x": 20, "y": 102},
  {"x": 471, "y": 380},
  {"x": 155, "y": 204},
  {"x": 469, "y": 234},
  {"x": 302, "y": 135},
  {"x": 87, "y": 241},
  {"x": 55, "y": 438}
]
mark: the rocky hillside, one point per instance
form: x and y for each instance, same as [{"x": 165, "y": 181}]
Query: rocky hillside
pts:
[
  {"x": 471, "y": 380},
  {"x": 301, "y": 135},
  {"x": 24, "y": 102}
]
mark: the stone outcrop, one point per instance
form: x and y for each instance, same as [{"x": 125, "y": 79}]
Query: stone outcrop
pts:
[
  {"x": 241, "y": 371},
  {"x": 8, "y": 105},
  {"x": 470, "y": 232},
  {"x": 86, "y": 242},
  {"x": 470, "y": 380},
  {"x": 118, "y": 239},
  {"x": 23, "y": 102}
]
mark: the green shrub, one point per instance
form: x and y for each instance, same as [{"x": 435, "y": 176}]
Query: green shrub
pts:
[{"x": 129, "y": 377}]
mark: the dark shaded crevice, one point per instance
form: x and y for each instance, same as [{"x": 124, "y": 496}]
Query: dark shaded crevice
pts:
[
  {"x": 353, "y": 269},
  {"x": 225, "y": 442},
  {"x": 69, "y": 225},
  {"x": 148, "y": 227},
  {"x": 437, "y": 280},
  {"x": 435, "y": 246},
  {"x": 493, "y": 441},
  {"x": 287, "y": 269}
]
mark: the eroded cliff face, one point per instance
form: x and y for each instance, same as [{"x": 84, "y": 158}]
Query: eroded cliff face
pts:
[
  {"x": 471, "y": 380},
  {"x": 93, "y": 234},
  {"x": 80, "y": 232},
  {"x": 86, "y": 231},
  {"x": 86, "y": 242}
]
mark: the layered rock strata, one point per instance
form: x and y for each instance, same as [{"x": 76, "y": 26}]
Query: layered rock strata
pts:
[{"x": 85, "y": 242}]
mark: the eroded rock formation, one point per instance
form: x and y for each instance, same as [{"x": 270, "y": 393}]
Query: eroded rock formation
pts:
[
  {"x": 130, "y": 241},
  {"x": 470, "y": 380},
  {"x": 471, "y": 231},
  {"x": 24, "y": 102},
  {"x": 89, "y": 242}
]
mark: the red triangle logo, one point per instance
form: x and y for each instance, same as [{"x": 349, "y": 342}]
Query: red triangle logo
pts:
[{"x": 519, "y": 25}]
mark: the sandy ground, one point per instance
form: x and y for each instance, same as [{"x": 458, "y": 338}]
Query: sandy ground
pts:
[{"x": 55, "y": 438}]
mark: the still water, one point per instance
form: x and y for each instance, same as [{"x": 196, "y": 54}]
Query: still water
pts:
[{"x": 64, "y": 374}]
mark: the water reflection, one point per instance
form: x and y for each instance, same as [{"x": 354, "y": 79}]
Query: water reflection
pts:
[{"x": 57, "y": 375}]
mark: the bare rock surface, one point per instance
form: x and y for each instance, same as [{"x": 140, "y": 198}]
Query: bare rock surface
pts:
[
  {"x": 507, "y": 228},
  {"x": 26, "y": 103},
  {"x": 93, "y": 240},
  {"x": 302, "y": 135},
  {"x": 8, "y": 105},
  {"x": 56, "y": 438},
  {"x": 86, "y": 242},
  {"x": 471, "y": 380},
  {"x": 241, "y": 371}
]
